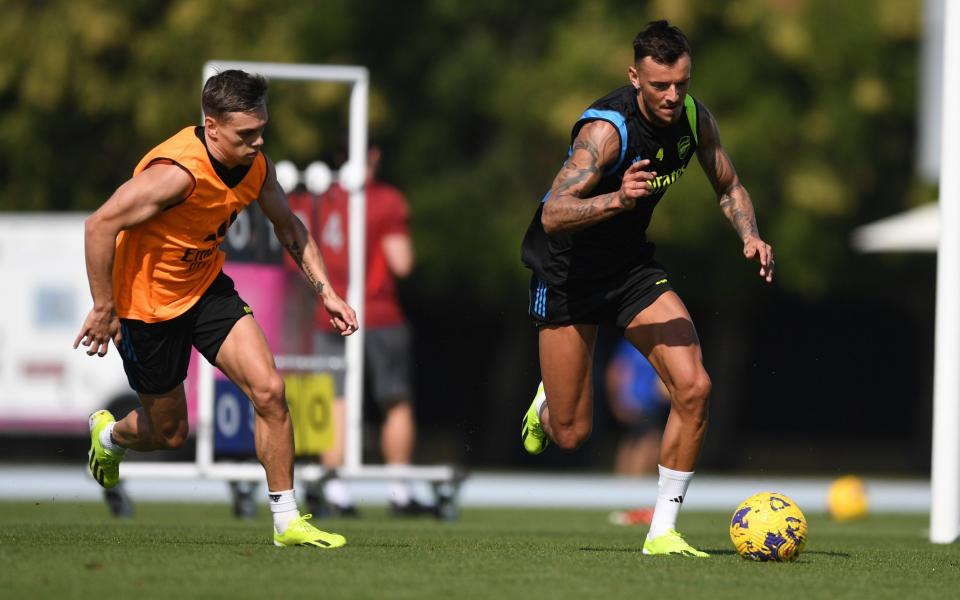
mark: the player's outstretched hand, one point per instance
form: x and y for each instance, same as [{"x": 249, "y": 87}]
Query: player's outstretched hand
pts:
[
  {"x": 636, "y": 183},
  {"x": 100, "y": 327},
  {"x": 342, "y": 316},
  {"x": 756, "y": 249}
]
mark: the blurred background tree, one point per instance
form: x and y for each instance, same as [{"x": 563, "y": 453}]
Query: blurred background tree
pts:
[{"x": 473, "y": 103}]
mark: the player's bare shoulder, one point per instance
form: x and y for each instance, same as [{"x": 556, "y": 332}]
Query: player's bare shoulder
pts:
[
  {"x": 167, "y": 182},
  {"x": 145, "y": 195},
  {"x": 272, "y": 198},
  {"x": 709, "y": 133},
  {"x": 715, "y": 161}
]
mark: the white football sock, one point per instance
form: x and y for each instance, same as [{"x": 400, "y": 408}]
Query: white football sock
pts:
[
  {"x": 336, "y": 492},
  {"x": 540, "y": 402},
  {"x": 671, "y": 490},
  {"x": 107, "y": 441},
  {"x": 400, "y": 493},
  {"x": 283, "y": 505}
]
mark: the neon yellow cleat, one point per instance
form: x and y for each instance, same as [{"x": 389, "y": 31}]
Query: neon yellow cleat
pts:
[
  {"x": 534, "y": 438},
  {"x": 301, "y": 533},
  {"x": 671, "y": 542},
  {"x": 104, "y": 465}
]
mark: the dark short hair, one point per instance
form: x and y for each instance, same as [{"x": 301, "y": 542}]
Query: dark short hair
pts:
[
  {"x": 662, "y": 42},
  {"x": 233, "y": 91}
]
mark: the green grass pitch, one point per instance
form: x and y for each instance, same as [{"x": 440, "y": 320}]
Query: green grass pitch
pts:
[{"x": 57, "y": 550}]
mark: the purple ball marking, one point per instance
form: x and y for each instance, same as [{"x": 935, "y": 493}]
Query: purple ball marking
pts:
[
  {"x": 778, "y": 503},
  {"x": 740, "y": 517}
]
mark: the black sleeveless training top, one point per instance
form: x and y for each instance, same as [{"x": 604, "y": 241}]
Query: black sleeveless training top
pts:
[{"x": 620, "y": 242}]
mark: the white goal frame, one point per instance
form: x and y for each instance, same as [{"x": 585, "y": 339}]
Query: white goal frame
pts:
[
  {"x": 945, "y": 468},
  {"x": 204, "y": 466}
]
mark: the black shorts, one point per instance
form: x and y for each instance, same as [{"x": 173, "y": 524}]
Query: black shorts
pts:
[
  {"x": 614, "y": 299},
  {"x": 156, "y": 355}
]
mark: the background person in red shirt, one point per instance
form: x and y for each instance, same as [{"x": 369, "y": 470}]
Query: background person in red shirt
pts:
[{"x": 387, "y": 347}]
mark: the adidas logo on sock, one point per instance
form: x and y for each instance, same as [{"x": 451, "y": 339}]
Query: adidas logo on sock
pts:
[
  {"x": 678, "y": 499},
  {"x": 274, "y": 497}
]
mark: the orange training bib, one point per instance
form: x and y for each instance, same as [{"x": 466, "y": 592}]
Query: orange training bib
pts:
[{"x": 165, "y": 264}]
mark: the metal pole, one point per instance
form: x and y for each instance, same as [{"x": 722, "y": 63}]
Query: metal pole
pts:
[
  {"x": 205, "y": 393},
  {"x": 945, "y": 468},
  {"x": 353, "y": 453}
]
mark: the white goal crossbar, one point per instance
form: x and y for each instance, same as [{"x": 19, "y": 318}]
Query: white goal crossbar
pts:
[{"x": 204, "y": 466}]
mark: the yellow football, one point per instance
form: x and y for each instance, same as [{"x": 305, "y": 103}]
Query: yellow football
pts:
[
  {"x": 847, "y": 499},
  {"x": 768, "y": 527}
]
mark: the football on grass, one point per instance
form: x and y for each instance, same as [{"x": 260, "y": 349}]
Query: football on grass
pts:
[{"x": 768, "y": 527}]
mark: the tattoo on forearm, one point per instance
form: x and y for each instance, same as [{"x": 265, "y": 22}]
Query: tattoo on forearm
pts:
[
  {"x": 314, "y": 281},
  {"x": 734, "y": 198},
  {"x": 294, "y": 249},
  {"x": 739, "y": 212}
]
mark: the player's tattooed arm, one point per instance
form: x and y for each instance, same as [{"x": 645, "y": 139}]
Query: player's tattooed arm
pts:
[
  {"x": 734, "y": 199},
  {"x": 296, "y": 252},
  {"x": 570, "y": 206},
  {"x": 293, "y": 235}
]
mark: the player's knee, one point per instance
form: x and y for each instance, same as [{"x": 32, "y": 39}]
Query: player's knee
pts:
[
  {"x": 268, "y": 397},
  {"x": 692, "y": 396}
]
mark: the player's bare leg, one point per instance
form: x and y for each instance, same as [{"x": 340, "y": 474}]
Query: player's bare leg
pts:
[
  {"x": 665, "y": 334},
  {"x": 566, "y": 365},
  {"x": 638, "y": 456},
  {"x": 246, "y": 359},
  {"x": 397, "y": 438},
  {"x": 332, "y": 458},
  {"x": 398, "y": 433},
  {"x": 160, "y": 423}
]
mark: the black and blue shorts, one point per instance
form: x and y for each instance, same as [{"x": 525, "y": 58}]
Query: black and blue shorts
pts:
[
  {"x": 617, "y": 299},
  {"x": 156, "y": 355}
]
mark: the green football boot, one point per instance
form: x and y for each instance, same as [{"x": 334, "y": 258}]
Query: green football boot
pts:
[
  {"x": 301, "y": 533},
  {"x": 104, "y": 465},
  {"x": 534, "y": 438},
  {"x": 671, "y": 542}
]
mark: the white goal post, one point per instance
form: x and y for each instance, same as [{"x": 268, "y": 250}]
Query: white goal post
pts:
[
  {"x": 357, "y": 78},
  {"x": 945, "y": 468}
]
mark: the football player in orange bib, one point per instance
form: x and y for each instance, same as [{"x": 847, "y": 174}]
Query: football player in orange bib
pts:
[{"x": 154, "y": 267}]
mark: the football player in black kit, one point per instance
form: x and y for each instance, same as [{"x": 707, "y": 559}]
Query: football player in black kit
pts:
[{"x": 591, "y": 262}]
